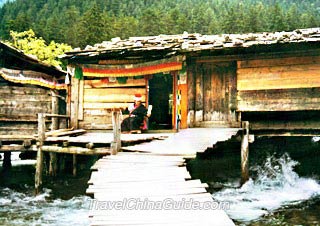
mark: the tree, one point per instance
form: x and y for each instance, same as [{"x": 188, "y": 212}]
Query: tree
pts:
[
  {"x": 30, "y": 44},
  {"x": 277, "y": 20},
  {"x": 53, "y": 28},
  {"x": 84, "y": 22},
  {"x": 171, "y": 18},
  {"x": 92, "y": 27},
  {"x": 291, "y": 17},
  {"x": 70, "y": 23},
  {"x": 256, "y": 19},
  {"x": 123, "y": 27},
  {"x": 151, "y": 22}
]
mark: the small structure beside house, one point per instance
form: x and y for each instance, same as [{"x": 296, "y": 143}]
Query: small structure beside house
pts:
[
  {"x": 28, "y": 87},
  {"x": 194, "y": 80}
]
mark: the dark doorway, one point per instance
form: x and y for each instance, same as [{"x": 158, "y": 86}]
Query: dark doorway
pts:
[{"x": 160, "y": 97}]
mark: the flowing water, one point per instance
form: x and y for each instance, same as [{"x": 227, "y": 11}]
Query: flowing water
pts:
[
  {"x": 284, "y": 188},
  {"x": 23, "y": 208},
  {"x": 276, "y": 186},
  {"x": 62, "y": 201}
]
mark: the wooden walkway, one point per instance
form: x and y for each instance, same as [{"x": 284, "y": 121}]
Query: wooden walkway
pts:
[
  {"x": 186, "y": 142},
  {"x": 151, "y": 186}
]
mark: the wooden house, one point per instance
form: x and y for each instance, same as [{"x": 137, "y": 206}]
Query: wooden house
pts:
[
  {"x": 27, "y": 87},
  {"x": 271, "y": 80}
]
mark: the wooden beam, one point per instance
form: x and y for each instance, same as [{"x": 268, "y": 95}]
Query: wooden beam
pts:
[
  {"x": 59, "y": 133},
  {"x": 17, "y": 148},
  {"x": 76, "y": 150},
  {"x": 15, "y": 137},
  {"x": 102, "y": 84},
  {"x": 104, "y": 106},
  {"x": 253, "y": 63},
  {"x": 241, "y": 57},
  {"x": 289, "y": 125},
  {"x": 279, "y": 99},
  {"x": 279, "y": 77},
  {"x": 56, "y": 116}
]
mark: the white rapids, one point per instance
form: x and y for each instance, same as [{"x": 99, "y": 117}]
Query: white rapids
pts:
[{"x": 276, "y": 185}]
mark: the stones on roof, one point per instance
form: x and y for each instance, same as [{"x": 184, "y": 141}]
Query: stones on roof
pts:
[{"x": 196, "y": 42}]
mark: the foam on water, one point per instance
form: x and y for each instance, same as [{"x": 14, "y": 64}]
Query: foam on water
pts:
[
  {"x": 276, "y": 185},
  {"x": 26, "y": 209}
]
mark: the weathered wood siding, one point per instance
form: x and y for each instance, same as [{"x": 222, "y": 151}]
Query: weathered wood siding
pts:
[
  {"x": 191, "y": 79},
  {"x": 19, "y": 106},
  {"x": 97, "y": 97},
  {"x": 283, "y": 84},
  {"x": 212, "y": 94}
]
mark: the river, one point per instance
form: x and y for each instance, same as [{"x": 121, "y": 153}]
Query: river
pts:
[
  {"x": 62, "y": 201},
  {"x": 284, "y": 187}
]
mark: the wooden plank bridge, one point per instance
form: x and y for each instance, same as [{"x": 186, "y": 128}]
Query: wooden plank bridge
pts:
[
  {"x": 146, "y": 184},
  {"x": 151, "y": 185}
]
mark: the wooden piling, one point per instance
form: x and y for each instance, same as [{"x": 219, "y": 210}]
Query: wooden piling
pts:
[
  {"x": 6, "y": 160},
  {"x": 39, "y": 165},
  {"x": 62, "y": 162},
  {"x": 245, "y": 152},
  {"x": 53, "y": 164},
  {"x": 54, "y": 126},
  {"x": 74, "y": 164},
  {"x": 116, "y": 143}
]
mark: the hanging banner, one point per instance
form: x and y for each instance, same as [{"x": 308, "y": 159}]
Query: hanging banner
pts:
[
  {"x": 31, "y": 77},
  {"x": 128, "y": 70}
]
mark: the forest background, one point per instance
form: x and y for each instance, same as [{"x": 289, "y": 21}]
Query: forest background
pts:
[{"x": 86, "y": 22}]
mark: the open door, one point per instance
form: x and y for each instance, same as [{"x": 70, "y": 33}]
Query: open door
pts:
[{"x": 161, "y": 98}]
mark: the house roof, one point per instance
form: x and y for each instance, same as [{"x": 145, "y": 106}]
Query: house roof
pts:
[
  {"x": 20, "y": 60},
  {"x": 17, "y": 67},
  {"x": 185, "y": 43}
]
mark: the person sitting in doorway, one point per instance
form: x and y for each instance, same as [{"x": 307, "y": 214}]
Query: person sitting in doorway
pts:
[{"x": 137, "y": 113}]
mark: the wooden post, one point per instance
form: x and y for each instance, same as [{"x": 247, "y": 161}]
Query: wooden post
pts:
[
  {"x": 54, "y": 126},
  {"x": 74, "y": 164},
  {"x": 116, "y": 144},
  {"x": 62, "y": 162},
  {"x": 239, "y": 116},
  {"x": 41, "y": 138},
  {"x": 74, "y": 102},
  {"x": 6, "y": 160},
  {"x": 245, "y": 152}
]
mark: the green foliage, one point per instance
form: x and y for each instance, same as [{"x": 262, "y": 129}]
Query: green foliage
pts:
[
  {"x": 86, "y": 22},
  {"x": 32, "y": 45}
]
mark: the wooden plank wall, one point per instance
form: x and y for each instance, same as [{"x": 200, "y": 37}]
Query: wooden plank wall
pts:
[
  {"x": 19, "y": 106},
  {"x": 191, "y": 77},
  {"x": 212, "y": 94},
  {"x": 283, "y": 84},
  {"x": 100, "y": 96}
]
